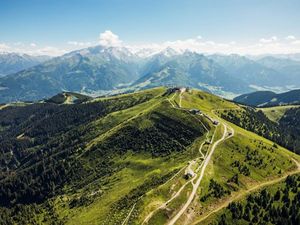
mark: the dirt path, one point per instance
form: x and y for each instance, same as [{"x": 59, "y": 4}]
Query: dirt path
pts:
[
  {"x": 175, "y": 175},
  {"x": 243, "y": 193},
  {"x": 171, "y": 99},
  {"x": 200, "y": 150},
  {"x": 128, "y": 215},
  {"x": 206, "y": 158},
  {"x": 196, "y": 185},
  {"x": 239, "y": 195},
  {"x": 192, "y": 162},
  {"x": 162, "y": 206},
  {"x": 3, "y": 106},
  {"x": 180, "y": 98}
]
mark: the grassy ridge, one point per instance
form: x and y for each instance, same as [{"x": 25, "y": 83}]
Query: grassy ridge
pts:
[
  {"x": 104, "y": 166},
  {"x": 238, "y": 164},
  {"x": 146, "y": 137}
]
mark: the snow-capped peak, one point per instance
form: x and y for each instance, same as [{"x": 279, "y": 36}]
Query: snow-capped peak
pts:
[{"x": 169, "y": 52}]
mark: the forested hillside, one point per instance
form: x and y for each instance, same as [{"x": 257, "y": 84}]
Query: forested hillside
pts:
[
  {"x": 285, "y": 132},
  {"x": 269, "y": 98},
  {"x": 46, "y": 147},
  {"x": 134, "y": 158},
  {"x": 273, "y": 205}
]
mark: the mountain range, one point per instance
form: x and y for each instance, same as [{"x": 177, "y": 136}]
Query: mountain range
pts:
[
  {"x": 14, "y": 62},
  {"x": 106, "y": 70}
]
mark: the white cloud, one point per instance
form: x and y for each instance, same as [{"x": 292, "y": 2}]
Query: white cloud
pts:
[
  {"x": 32, "y": 49},
  {"x": 76, "y": 43},
  {"x": 296, "y": 42},
  {"x": 51, "y": 51},
  {"x": 272, "y": 45},
  {"x": 4, "y": 47},
  {"x": 18, "y": 43},
  {"x": 272, "y": 39},
  {"x": 108, "y": 39},
  {"x": 290, "y": 37}
]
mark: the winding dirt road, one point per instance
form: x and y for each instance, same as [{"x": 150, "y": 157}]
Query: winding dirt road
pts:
[
  {"x": 202, "y": 166},
  {"x": 243, "y": 193},
  {"x": 196, "y": 185}
]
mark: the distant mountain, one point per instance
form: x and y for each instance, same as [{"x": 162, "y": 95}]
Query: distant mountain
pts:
[
  {"x": 250, "y": 71},
  {"x": 290, "y": 69},
  {"x": 292, "y": 56},
  {"x": 15, "y": 62},
  {"x": 268, "y": 98},
  {"x": 110, "y": 70},
  {"x": 95, "y": 68},
  {"x": 189, "y": 69}
]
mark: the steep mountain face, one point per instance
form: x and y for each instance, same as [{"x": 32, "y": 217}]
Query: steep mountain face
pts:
[
  {"x": 94, "y": 68},
  {"x": 13, "y": 62},
  {"x": 122, "y": 159},
  {"x": 268, "y": 98}
]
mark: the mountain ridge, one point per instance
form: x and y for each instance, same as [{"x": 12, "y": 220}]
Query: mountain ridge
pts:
[
  {"x": 269, "y": 98},
  {"x": 99, "y": 70},
  {"x": 11, "y": 63},
  {"x": 71, "y": 163}
]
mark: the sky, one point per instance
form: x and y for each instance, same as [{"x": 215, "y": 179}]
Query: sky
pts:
[{"x": 54, "y": 27}]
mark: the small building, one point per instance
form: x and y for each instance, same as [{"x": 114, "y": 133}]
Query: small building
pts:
[
  {"x": 189, "y": 173},
  {"x": 182, "y": 89},
  {"x": 215, "y": 122},
  {"x": 177, "y": 89},
  {"x": 195, "y": 111},
  {"x": 189, "y": 90}
]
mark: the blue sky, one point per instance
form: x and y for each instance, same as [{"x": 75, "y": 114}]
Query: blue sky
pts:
[{"x": 59, "y": 23}]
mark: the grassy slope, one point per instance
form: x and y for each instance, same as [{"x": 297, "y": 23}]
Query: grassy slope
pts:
[
  {"x": 158, "y": 196},
  {"x": 138, "y": 165},
  {"x": 275, "y": 161},
  {"x": 61, "y": 203},
  {"x": 275, "y": 113}
]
